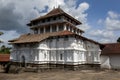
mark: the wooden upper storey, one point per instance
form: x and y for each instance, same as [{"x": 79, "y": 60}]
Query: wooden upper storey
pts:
[{"x": 55, "y": 16}]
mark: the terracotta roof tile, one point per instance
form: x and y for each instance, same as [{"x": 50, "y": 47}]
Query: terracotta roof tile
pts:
[
  {"x": 28, "y": 38},
  {"x": 4, "y": 57},
  {"x": 111, "y": 49},
  {"x": 55, "y": 12}
]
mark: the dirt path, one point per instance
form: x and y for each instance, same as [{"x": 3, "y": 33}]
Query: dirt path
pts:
[{"x": 64, "y": 75}]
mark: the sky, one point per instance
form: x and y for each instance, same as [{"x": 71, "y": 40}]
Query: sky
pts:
[{"x": 100, "y": 18}]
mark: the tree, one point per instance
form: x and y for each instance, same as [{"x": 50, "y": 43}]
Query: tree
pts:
[
  {"x": 118, "y": 40},
  {"x": 1, "y": 33},
  {"x": 4, "y": 50}
]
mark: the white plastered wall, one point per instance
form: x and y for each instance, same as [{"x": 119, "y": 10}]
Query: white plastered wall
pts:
[
  {"x": 73, "y": 50},
  {"x": 105, "y": 61}
]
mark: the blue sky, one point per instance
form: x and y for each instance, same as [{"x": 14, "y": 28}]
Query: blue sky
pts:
[
  {"x": 99, "y": 8},
  {"x": 100, "y": 18}
]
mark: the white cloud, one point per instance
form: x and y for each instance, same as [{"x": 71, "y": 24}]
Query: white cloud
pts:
[
  {"x": 112, "y": 21},
  {"x": 85, "y": 26},
  {"x": 82, "y": 15},
  {"x": 70, "y": 3},
  {"x": 102, "y": 33},
  {"x": 113, "y": 15},
  {"x": 103, "y": 36},
  {"x": 8, "y": 35},
  {"x": 15, "y": 14},
  {"x": 19, "y": 12},
  {"x": 100, "y": 21},
  {"x": 79, "y": 12},
  {"x": 29, "y": 9},
  {"x": 104, "y": 40},
  {"x": 110, "y": 24}
]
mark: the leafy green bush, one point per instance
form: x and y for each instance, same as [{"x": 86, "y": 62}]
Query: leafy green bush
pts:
[{"x": 4, "y": 50}]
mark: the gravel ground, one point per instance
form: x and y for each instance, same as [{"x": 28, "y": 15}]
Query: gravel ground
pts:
[{"x": 63, "y": 75}]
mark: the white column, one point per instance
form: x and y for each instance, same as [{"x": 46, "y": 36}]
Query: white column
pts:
[
  {"x": 79, "y": 33},
  {"x": 68, "y": 28},
  {"x": 50, "y": 28},
  {"x": 72, "y": 30},
  {"x": 76, "y": 31},
  {"x": 57, "y": 28},
  {"x": 44, "y": 30},
  {"x": 65, "y": 27},
  {"x": 38, "y": 30}
]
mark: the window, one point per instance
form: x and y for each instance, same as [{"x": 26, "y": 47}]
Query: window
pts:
[
  {"x": 27, "y": 45},
  {"x": 61, "y": 56},
  {"x": 48, "y": 20},
  {"x": 60, "y": 27},
  {"x": 45, "y": 55},
  {"x": 59, "y": 17},
  {"x": 66, "y": 38},
  {"x": 54, "y": 18},
  {"x": 23, "y": 61},
  {"x": 43, "y": 21},
  {"x": 48, "y": 29},
  {"x": 41, "y": 30},
  {"x": 36, "y": 31},
  {"x": 50, "y": 40},
  {"x": 57, "y": 39}
]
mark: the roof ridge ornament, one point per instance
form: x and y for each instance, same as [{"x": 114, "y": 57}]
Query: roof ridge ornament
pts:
[
  {"x": 58, "y": 6},
  {"x": 53, "y": 7}
]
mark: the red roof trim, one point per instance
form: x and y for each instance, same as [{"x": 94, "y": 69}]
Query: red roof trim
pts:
[
  {"x": 4, "y": 57},
  {"x": 111, "y": 49}
]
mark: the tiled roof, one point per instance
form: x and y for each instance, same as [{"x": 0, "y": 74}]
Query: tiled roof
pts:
[
  {"x": 56, "y": 12},
  {"x": 111, "y": 49},
  {"x": 29, "y": 38},
  {"x": 4, "y": 57}
]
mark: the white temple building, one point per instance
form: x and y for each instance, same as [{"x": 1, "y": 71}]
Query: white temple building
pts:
[{"x": 54, "y": 39}]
